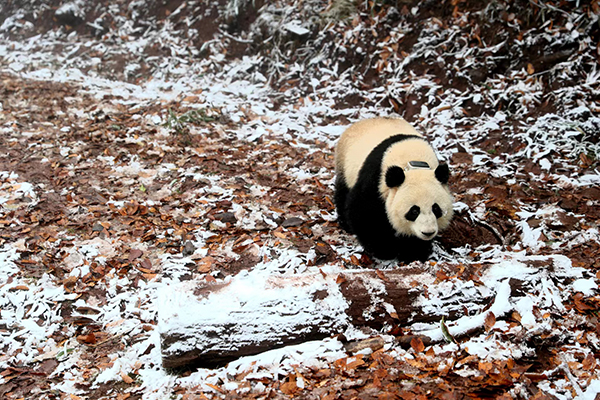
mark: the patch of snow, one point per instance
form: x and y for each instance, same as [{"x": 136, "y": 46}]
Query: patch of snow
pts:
[
  {"x": 591, "y": 392},
  {"x": 586, "y": 286},
  {"x": 546, "y": 294},
  {"x": 297, "y": 28}
]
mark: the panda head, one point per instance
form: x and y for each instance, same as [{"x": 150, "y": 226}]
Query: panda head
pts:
[{"x": 418, "y": 202}]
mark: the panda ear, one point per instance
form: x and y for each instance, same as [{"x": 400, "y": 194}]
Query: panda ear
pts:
[
  {"x": 442, "y": 173},
  {"x": 394, "y": 176}
]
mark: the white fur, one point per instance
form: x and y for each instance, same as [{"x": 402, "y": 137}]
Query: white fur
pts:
[
  {"x": 360, "y": 138},
  {"x": 420, "y": 187}
]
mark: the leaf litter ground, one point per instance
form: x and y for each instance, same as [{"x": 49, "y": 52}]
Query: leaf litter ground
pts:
[{"x": 151, "y": 146}]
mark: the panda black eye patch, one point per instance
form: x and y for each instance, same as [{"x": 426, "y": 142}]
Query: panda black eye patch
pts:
[
  {"x": 413, "y": 213},
  {"x": 437, "y": 211}
]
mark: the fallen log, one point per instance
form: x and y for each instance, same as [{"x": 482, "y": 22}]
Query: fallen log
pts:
[{"x": 209, "y": 324}]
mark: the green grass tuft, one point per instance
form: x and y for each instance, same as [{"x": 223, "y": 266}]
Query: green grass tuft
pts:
[{"x": 179, "y": 123}]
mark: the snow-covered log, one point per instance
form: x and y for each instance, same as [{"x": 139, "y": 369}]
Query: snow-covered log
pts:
[
  {"x": 253, "y": 312},
  {"x": 209, "y": 324}
]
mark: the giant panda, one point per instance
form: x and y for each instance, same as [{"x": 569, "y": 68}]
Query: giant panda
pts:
[{"x": 390, "y": 190}]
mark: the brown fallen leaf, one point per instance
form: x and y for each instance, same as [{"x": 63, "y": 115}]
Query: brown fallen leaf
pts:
[
  {"x": 490, "y": 321},
  {"x": 381, "y": 275},
  {"x": 485, "y": 367},
  {"x": 135, "y": 253},
  {"x": 574, "y": 365},
  {"x": 581, "y": 305},
  {"x": 144, "y": 270},
  {"x": 47, "y": 366},
  {"x": 205, "y": 264},
  {"x": 146, "y": 263},
  {"x": 417, "y": 345},
  {"x": 589, "y": 362},
  {"x": 90, "y": 338},
  {"x": 279, "y": 235},
  {"x": 441, "y": 276},
  {"x": 341, "y": 363},
  {"x": 289, "y": 388},
  {"x": 542, "y": 396},
  {"x": 356, "y": 363},
  {"x": 516, "y": 316},
  {"x": 126, "y": 378},
  {"x": 19, "y": 287}
]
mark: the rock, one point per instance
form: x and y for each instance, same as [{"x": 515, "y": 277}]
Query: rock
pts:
[
  {"x": 188, "y": 249},
  {"x": 292, "y": 222},
  {"x": 226, "y": 217}
]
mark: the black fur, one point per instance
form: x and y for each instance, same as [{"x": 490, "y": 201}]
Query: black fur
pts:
[
  {"x": 394, "y": 176},
  {"x": 361, "y": 211},
  {"x": 341, "y": 194},
  {"x": 442, "y": 173},
  {"x": 437, "y": 210},
  {"x": 413, "y": 213}
]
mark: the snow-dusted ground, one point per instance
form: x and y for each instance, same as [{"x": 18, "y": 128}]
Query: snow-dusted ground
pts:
[{"x": 309, "y": 120}]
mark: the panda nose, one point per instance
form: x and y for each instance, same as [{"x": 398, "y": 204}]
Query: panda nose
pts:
[{"x": 428, "y": 234}]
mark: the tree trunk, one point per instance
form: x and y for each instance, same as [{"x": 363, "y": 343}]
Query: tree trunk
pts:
[{"x": 208, "y": 325}]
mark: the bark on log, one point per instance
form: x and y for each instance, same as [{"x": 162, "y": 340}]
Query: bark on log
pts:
[
  {"x": 212, "y": 324},
  {"x": 254, "y": 312}
]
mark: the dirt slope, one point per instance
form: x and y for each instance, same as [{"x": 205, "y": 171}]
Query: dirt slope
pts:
[{"x": 149, "y": 144}]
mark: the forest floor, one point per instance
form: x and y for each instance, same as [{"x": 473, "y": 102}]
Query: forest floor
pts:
[{"x": 149, "y": 143}]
